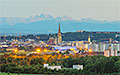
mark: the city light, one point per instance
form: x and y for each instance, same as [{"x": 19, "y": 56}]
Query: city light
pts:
[
  {"x": 71, "y": 49},
  {"x": 45, "y": 50},
  {"x": 15, "y": 50},
  {"x": 58, "y": 52},
  {"x": 74, "y": 51},
  {"x": 86, "y": 46},
  {"x": 38, "y": 50},
  {"x": 46, "y": 45},
  {"x": 90, "y": 50}
]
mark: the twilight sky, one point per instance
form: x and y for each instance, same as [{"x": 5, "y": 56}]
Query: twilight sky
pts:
[{"x": 77, "y": 9}]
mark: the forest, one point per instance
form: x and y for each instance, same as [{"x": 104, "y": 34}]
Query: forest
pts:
[
  {"x": 92, "y": 65},
  {"x": 71, "y": 36}
]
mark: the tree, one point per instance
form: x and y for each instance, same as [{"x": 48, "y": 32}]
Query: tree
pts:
[
  {"x": 36, "y": 61},
  {"x": 117, "y": 66}
]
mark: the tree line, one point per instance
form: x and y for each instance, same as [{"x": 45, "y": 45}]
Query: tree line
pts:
[
  {"x": 92, "y": 65},
  {"x": 70, "y": 36}
]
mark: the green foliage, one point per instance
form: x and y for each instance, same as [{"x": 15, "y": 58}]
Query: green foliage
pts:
[
  {"x": 36, "y": 61},
  {"x": 97, "y": 64},
  {"x": 92, "y": 65},
  {"x": 117, "y": 66},
  {"x": 72, "y": 36}
]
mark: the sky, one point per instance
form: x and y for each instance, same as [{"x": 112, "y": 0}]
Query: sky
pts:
[{"x": 77, "y": 9}]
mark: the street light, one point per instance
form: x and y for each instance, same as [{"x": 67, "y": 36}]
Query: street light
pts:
[
  {"x": 38, "y": 50},
  {"x": 45, "y": 50},
  {"x": 15, "y": 50},
  {"x": 74, "y": 51},
  {"x": 58, "y": 52},
  {"x": 90, "y": 51}
]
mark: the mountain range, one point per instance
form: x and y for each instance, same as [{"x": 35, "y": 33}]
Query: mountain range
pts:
[{"x": 45, "y": 23}]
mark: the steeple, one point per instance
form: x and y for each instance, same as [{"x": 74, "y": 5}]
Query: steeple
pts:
[
  {"x": 59, "y": 35},
  {"x": 59, "y": 29}
]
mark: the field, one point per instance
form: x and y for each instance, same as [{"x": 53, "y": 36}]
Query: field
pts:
[
  {"x": 5, "y": 53},
  {"x": 1, "y": 53},
  {"x": 18, "y": 74},
  {"x": 52, "y": 74}
]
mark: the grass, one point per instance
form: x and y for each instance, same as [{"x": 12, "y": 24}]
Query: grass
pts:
[
  {"x": 5, "y": 52},
  {"x": 10, "y": 53},
  {"x": 18, "y": 74},
  {"x": 1, "y": 53},
  {"x": 52, "y": 74}
]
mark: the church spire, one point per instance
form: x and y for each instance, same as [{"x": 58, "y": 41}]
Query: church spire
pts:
[
  {"x": 59, "y": 35},
  {"x": 59, "y": 28}
]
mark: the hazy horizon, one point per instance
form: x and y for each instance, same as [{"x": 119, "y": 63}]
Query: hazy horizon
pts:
[
  {"x": 77, "y": 9},
  {"x": 88, "y": 15}
]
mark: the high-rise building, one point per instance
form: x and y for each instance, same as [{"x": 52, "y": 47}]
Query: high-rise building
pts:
[
  {"x": 59, "y": 35},
  {"x": 110, "y": 52}
]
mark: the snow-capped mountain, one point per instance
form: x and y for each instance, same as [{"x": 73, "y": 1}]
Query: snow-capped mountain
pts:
[
  {"x": 45, "y": 23},
  {"x": 41, "y": 17}
]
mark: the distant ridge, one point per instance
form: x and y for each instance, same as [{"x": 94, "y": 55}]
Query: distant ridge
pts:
[{"x": 45, "y": 23}]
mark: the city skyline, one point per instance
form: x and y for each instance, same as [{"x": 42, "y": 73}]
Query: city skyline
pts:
[{"x": 64, "y": 37}]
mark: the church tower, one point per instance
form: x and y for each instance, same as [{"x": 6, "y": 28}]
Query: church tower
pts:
[
  {"x": 59, "y": 35},
  {"x": 89, "y": 39}
]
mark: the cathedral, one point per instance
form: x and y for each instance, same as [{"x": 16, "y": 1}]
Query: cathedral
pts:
[
  {"x": 59, "y": 35},
  {"x": 56, "y": 40}
]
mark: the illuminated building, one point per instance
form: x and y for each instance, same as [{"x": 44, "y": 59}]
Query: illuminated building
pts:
[
  {"x": 59, "y": 35},
  {"x": 10, "y": 49},
  {"x": 51, "y": 41},
  {"x": 55, "y": 41},
  {"x": 110, "y": 52},
  {"x": 89, "y": 40},
  {"x": 81, "y": 44},
  {"x": 65, "y": 48}
]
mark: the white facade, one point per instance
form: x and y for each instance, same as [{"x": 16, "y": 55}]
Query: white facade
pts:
[
  {"x": 96, "y": 47},
  {"x": 3, "y": 46},
  {"x": 102, "y": 47},
  {"x": 108, "y": 53},
  {"x": 54, "y": 67},
  {"x": 80, "y": 44},
  {"x": 46, "y": 65},
  {"x": 51, "y": 67},
  {"x": 78, "y": 67}
]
